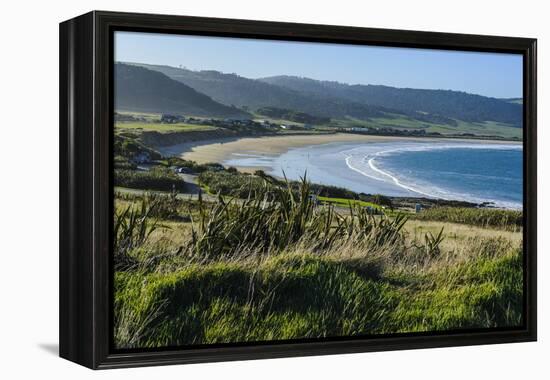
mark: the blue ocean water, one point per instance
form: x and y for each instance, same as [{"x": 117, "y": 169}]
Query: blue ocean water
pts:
[
  {"x": 472, "y": 171},
  {"x": 478, "y": 174}
]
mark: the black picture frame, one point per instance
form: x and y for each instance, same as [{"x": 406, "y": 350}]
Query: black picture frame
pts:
[{"x": 86, "y": 119}]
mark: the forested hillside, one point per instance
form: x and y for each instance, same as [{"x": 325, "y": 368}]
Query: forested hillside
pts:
[{"x": 445, "y": 103}]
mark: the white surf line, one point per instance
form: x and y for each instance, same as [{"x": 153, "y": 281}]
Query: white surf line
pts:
[
  {"x": 394, "y": 179},
  {"x": 499, "y": 204},
  {"x": 399, "y": 183},
  {"x": 376, "y": 169},
  {"x": 349, "y": 165},
  {"x": 420, "y": 148}
]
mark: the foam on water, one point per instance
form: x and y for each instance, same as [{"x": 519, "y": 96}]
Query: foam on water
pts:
[
  {"x": 364, "y": 160},
  {"x": 368, "y": 168}
]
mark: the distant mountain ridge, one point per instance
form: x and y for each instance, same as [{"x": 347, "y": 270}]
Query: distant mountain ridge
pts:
[
  {"x": 338, "y": 100},
  {"x": 513, "y": 100},
  {"x": 143, "y": 90},
  {"x": 232, "y": 89},
  {"x": 447, "y": 103}
]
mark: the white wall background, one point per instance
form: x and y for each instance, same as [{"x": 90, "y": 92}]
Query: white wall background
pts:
[{"x": 29, "y": 187}]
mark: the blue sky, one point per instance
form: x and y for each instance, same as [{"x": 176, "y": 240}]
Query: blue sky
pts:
[{"x": 489, "y": 74}]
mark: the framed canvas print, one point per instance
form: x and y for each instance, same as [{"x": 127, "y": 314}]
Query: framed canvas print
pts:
[{"x": 236, "y": 189}]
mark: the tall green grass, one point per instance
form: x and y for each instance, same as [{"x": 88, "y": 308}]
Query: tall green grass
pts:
[
  {"x": 233, "y": 183},
  {"x": 482, "y": 217},
  {"x": 294, "y": 296},
  {"x": 276, "y": 265},
  {"x": 276, "y": 217},
  {"x": 132, "y": 228}
]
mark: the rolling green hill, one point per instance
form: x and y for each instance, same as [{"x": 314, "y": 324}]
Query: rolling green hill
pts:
[
  {"x": 286, "y": 114},
  {"x": 142, "y": 90},
  {"x": 212, "y": 93},
  {"x": 413, "y": 102},
  {"x": 232, "y": 89}
]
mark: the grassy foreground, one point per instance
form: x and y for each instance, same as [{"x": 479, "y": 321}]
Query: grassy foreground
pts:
[
  {"x": 277, "y": 266},
  {"x": 299, "y": 295}
]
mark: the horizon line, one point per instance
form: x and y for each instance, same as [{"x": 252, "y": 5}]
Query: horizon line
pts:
[{"x": 321, "y": 80}]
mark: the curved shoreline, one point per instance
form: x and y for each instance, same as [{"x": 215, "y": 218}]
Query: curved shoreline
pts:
[
  {"x": 369, "y": 161},
  {"x": 221, "y": 149},
  {"x": 271, "y": 154}
]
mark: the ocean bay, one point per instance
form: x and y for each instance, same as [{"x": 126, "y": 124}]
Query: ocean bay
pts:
[{"x": 454, "y": 170}]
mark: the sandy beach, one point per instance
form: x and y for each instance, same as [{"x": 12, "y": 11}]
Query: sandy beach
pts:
[
  {"x": 219, "y": 150},
  {"x": 359, "y": 163}
]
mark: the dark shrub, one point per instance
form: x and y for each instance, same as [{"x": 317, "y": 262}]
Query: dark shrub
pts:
[{"x": 157, "y": 178}]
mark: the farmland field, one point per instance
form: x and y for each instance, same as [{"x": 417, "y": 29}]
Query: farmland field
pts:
[{"x": 160, "y": 127}]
